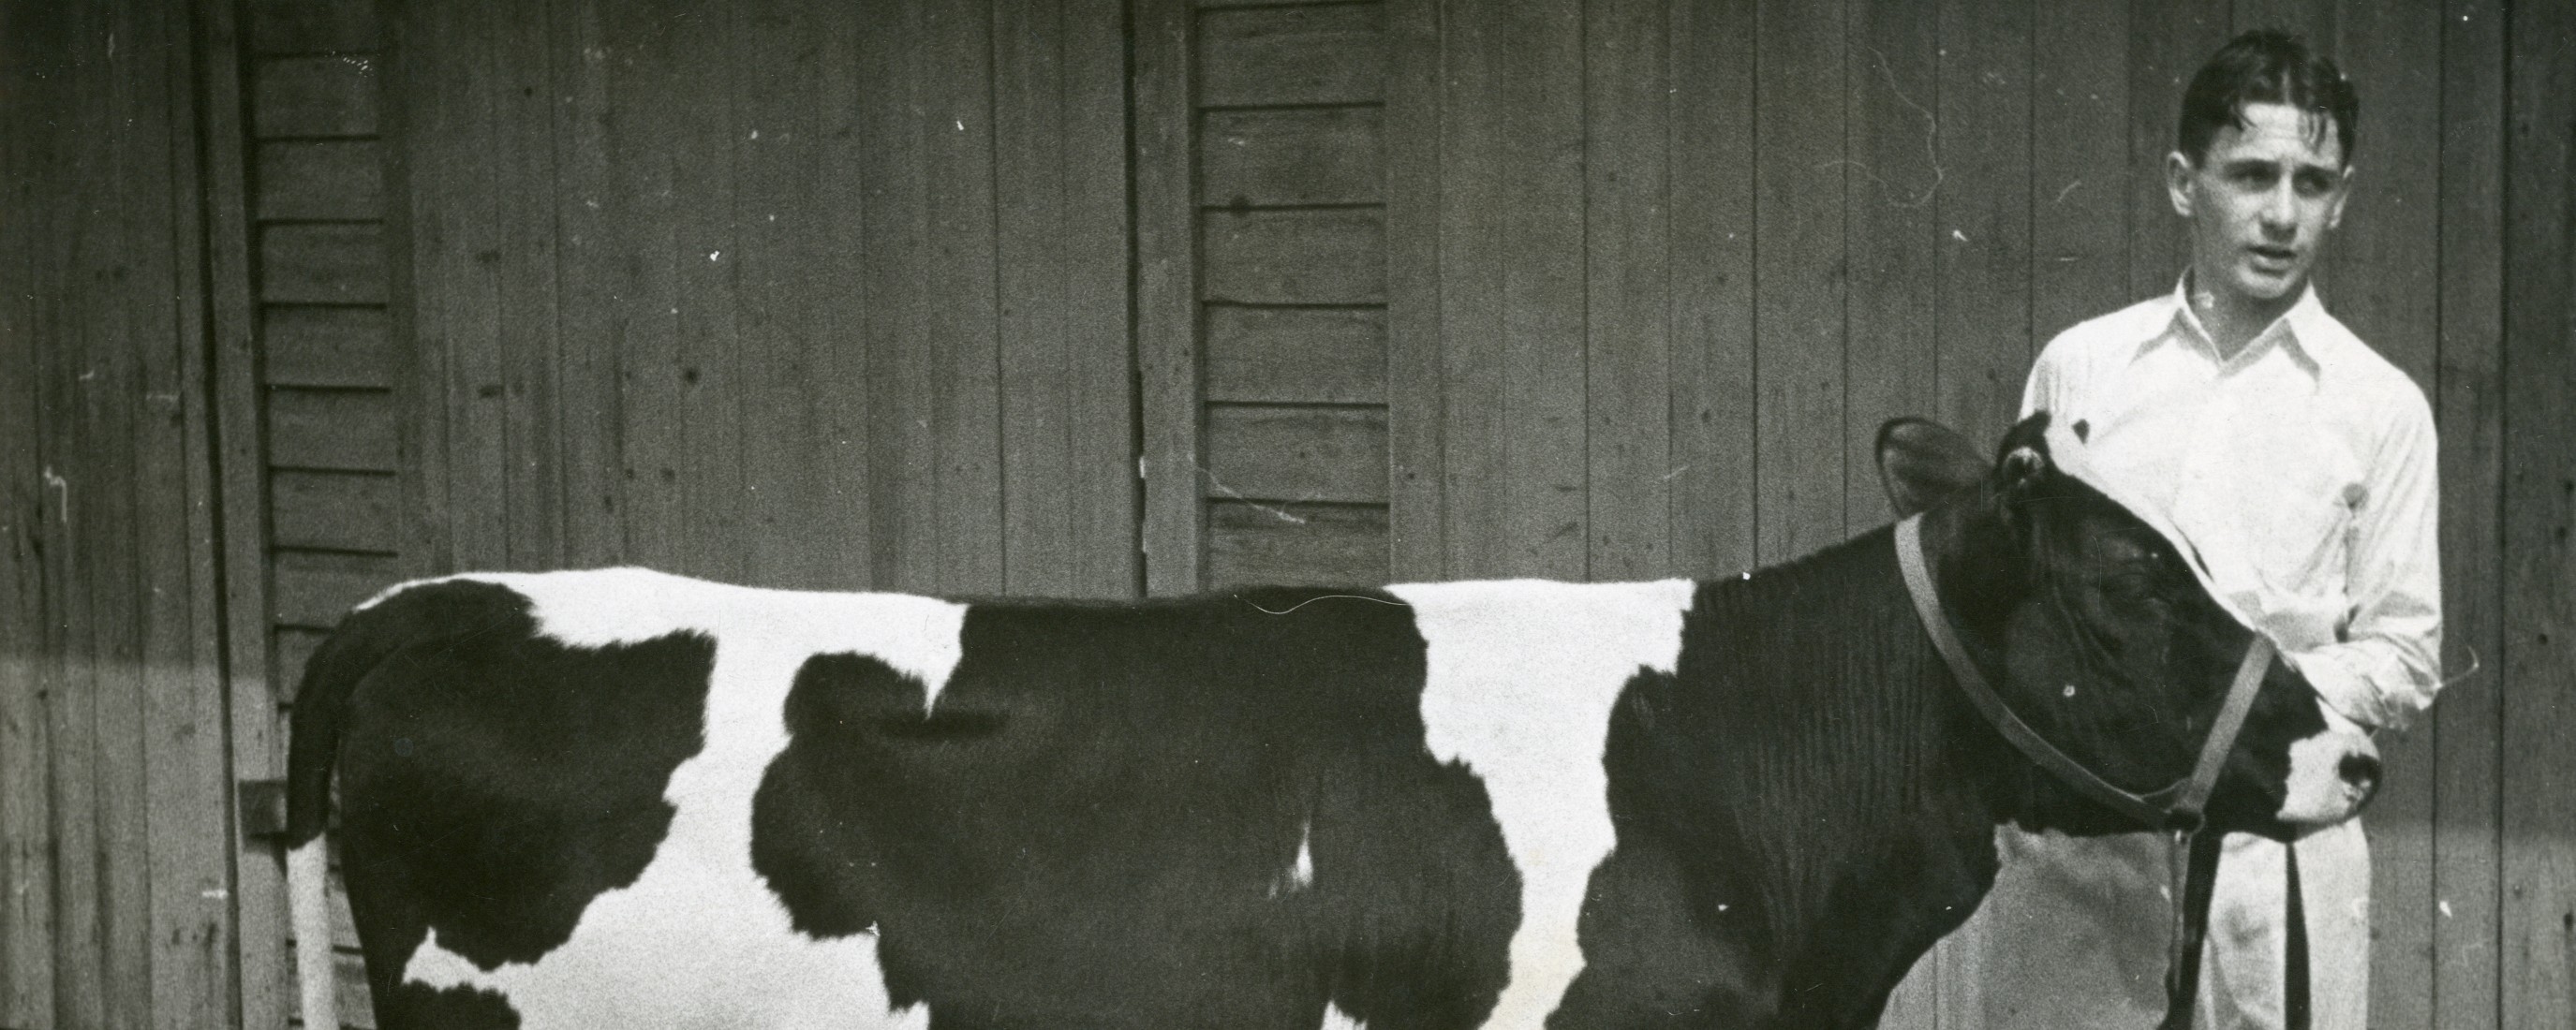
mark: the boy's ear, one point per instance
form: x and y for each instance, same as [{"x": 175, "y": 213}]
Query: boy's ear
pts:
[
  {"x": 2343, "y": 192},
  {"x": 1922, "y": 463},
  {"x": 2178, "y": 171}
]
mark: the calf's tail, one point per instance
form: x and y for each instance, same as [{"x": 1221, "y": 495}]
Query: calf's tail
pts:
[{"x": 363, "y": 641}]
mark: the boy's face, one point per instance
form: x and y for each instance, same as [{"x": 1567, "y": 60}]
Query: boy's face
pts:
[{"x": 2261, "y": 204}]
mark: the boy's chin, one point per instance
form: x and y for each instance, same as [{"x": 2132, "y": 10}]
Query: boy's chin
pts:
[{"x": 2259, "y": 286}]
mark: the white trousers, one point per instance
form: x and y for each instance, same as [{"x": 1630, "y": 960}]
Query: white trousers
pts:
[{"x": 2074, "y": 934}]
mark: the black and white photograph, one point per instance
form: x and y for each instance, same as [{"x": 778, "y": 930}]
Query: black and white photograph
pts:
[{"x": 1287, "y": 514}]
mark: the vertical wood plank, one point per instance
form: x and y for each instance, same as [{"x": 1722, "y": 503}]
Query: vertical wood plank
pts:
[
  {"x": 895, "y": 212},
  {"x": 1061, "y": 252},
  {"x": 2081, "y": 171},
  {"x": 451, "y": 85},
  {"x": 185, "y": 771},
  {"x": 2538, "y": 981},
  {"x": 778, "y": 101},
  {"x": 26, "y": 873},
  {"x": 1540, "y": 91},
  {"x": 932, "y": 303},
  {"x": 2374, "y": 281},
  {"x": 1628, "y": 295},
  {"x": 1035, "y": 361},
  {"x": 78, "y": 955},
  {"x": 1472, "y": 249},
  {"x": 2312, "y": 19},
  {"x": 2469, "y": 407},
  {"x": 797, "y": 224},
  {"x": 75, "y": 957},
  {"x": 957, "y": 95},
  {"x": 1895, "y": 178},
  {"x": 645, "y": 47},
  {"x": 705, "y": 265},
  {"x": 127, "y": 248},
  {"x": 29, "y": 528},
  {"x": 258, "y": 751},
  {"x": 520, "y": 194},
  {"x": 1106, "y": 561},
  {"x": 1511, "y": 291},
  {"x": 1167, "y": 359},
  {"x": 26, "y": 868},
  {"x": 1714, "y": 59},
  {"x": 2168, "y": 40},
  {"x": 1510, "y": 263},
  {"x": 591, "y": 308},
  {"x": 1985, "y": 267},
  {"x": 419, "y": 369},
  {"x": 1415, "y": 395},
  {"x": 1801, "y": 273}
]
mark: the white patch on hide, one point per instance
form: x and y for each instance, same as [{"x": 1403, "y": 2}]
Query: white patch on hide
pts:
[
  {"x": 1520, "y": 680},
  {"x": 699, "y": 940},
  {"x": 2318, "y": 794},
  {"x": 1336, "y": 1019}
]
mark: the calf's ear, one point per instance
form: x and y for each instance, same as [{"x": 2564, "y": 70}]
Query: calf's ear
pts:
[{"x": 1922, "y": 463}]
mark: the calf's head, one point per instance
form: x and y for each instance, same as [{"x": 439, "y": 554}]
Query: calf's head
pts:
[{"x": 2097, "y": 626}]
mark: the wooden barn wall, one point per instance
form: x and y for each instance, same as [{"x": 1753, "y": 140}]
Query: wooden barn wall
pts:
[
  {"x": 312, "y": 469},
  {"x": 1623, "y": 288},
  {"x": 115, "y": 864},
  {"x": 805, "y": 295},
  {"x": 992, "y": 296}
]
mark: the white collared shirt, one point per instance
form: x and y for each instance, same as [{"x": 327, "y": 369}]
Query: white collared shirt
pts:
[{"x": 2302, "y": 470}]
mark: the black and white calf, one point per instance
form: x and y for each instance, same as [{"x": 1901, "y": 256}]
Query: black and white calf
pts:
[{"x": 626, "y": 799}]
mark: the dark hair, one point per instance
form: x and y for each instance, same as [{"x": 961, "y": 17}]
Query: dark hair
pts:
[{"x": 2264, "y": 66}]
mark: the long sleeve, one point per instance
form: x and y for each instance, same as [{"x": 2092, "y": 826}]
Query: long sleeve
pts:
[{"x": 2384, "y": 666}]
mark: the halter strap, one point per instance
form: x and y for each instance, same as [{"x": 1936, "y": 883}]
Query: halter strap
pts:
[{"x": 2177, "y": 806}]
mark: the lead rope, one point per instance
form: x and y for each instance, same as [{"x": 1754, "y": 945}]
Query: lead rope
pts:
[{"x": 2192, "y": 862}]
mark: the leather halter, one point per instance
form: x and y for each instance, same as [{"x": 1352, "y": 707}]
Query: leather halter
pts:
[{"x": 2176, "y": 808}]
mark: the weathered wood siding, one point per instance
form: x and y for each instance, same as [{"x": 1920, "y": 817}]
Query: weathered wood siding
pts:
[
  {"x": 1650, "y": 274},
  {"x": 315, "y": 411},
  {"x": 115, "y": 908},
  {"x": 1290, "y": 205},
  {"x": 987, "y": 296},
  {"x": 2520, "y": 728},
  {"x": 798, "y": 294}
]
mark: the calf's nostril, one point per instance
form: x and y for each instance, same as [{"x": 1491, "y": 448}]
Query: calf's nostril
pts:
[{"x": 2360, "y": 770}]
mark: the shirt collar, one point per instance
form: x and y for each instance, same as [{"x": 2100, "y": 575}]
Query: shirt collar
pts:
[{"x": 2298, "y": 332}]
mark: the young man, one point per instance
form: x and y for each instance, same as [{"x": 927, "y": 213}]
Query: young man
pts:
[{"x": 2301, "y": 465}]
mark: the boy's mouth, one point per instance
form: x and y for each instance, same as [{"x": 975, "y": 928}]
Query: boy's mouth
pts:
[{"x": 2273, "y": 258}]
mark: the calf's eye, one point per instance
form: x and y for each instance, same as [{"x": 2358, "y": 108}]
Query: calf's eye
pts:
[{"x": 2130, "y": 587}]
